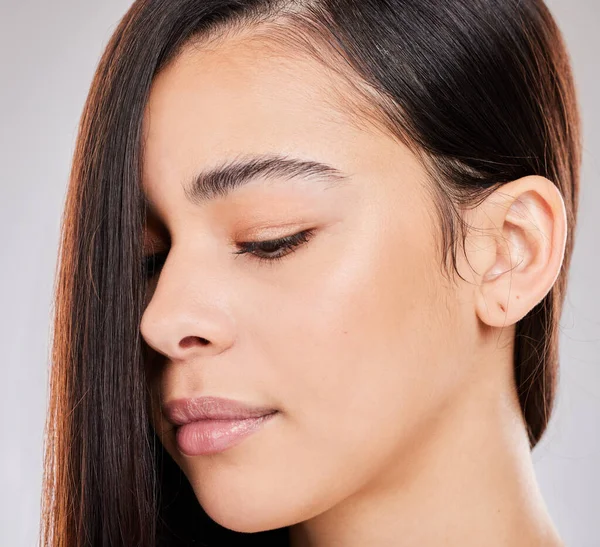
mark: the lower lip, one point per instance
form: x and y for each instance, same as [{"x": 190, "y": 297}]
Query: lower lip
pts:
[{"x": 204, "y": 437}]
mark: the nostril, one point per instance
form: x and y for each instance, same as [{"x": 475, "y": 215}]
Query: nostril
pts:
[{"x": 191, "y": 340}]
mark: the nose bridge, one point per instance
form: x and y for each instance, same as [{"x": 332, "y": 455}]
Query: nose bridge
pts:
[{"x": 188, "y": 310}]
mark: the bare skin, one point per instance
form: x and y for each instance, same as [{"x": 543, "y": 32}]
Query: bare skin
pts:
[{"x": 398, "y": 422}]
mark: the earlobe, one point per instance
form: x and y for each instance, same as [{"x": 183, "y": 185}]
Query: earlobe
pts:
[{"x": 524, "y": 226}]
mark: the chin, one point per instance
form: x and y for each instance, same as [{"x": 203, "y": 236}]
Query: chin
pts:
[{"x": 246, "y": 515}]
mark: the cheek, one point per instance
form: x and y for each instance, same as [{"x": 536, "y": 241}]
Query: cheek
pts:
[{"x": 362, "y": 371}]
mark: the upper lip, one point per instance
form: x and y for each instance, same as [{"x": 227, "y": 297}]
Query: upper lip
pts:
[{"x": 184, "y": 411}]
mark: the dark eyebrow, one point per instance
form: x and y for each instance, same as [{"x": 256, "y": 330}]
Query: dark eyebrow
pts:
[{"x": 223, "y": 179}]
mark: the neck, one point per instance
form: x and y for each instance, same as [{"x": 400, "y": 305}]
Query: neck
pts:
[{"x": 468, "y": 480}]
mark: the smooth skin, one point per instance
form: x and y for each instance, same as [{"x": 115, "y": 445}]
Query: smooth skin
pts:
[{"x": 399, "y": 423}]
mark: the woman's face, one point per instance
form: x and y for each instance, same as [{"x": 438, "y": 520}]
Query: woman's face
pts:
[{"x": 355, "y": 337}]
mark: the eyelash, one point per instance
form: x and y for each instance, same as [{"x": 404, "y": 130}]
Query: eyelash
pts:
[{"x": 289, "y": 243}]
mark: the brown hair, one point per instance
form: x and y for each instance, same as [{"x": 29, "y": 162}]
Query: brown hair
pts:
[{"x": 481, "y": 91}]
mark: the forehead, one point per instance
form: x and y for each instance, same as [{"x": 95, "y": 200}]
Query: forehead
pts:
[
  {"x": 240, "y": 73},
  {"x": 239, "y": 97}
]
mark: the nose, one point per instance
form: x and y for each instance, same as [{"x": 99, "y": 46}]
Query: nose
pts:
[{"x": 187, "y": 316}]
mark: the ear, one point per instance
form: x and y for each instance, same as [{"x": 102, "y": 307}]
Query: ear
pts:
[{"x": 515, "y": 247}]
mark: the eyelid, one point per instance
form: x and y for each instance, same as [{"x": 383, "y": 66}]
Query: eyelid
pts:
[
  {"x": 156, "y": 246},
  {"x": 266, "y": 231},
  {"x": 284, "y": 246}
]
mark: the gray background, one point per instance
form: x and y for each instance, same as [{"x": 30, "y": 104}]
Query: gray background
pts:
[{"x": 48, "y": 53}]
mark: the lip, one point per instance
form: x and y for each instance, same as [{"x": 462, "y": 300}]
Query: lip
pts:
[
  {"x": 183, "y": 411},
  {"x": 208, "y": 425},
  {"x": 204, "y": 437}
]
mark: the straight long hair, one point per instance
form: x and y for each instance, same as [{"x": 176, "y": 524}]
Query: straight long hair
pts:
[{"x": 480, "y": 90}]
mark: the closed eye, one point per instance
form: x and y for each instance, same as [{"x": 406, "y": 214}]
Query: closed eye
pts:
[
  {"x": 271, "y": 251},
  {"x": 152, "y": 263},
  {"x": 275, "y": 249}
]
